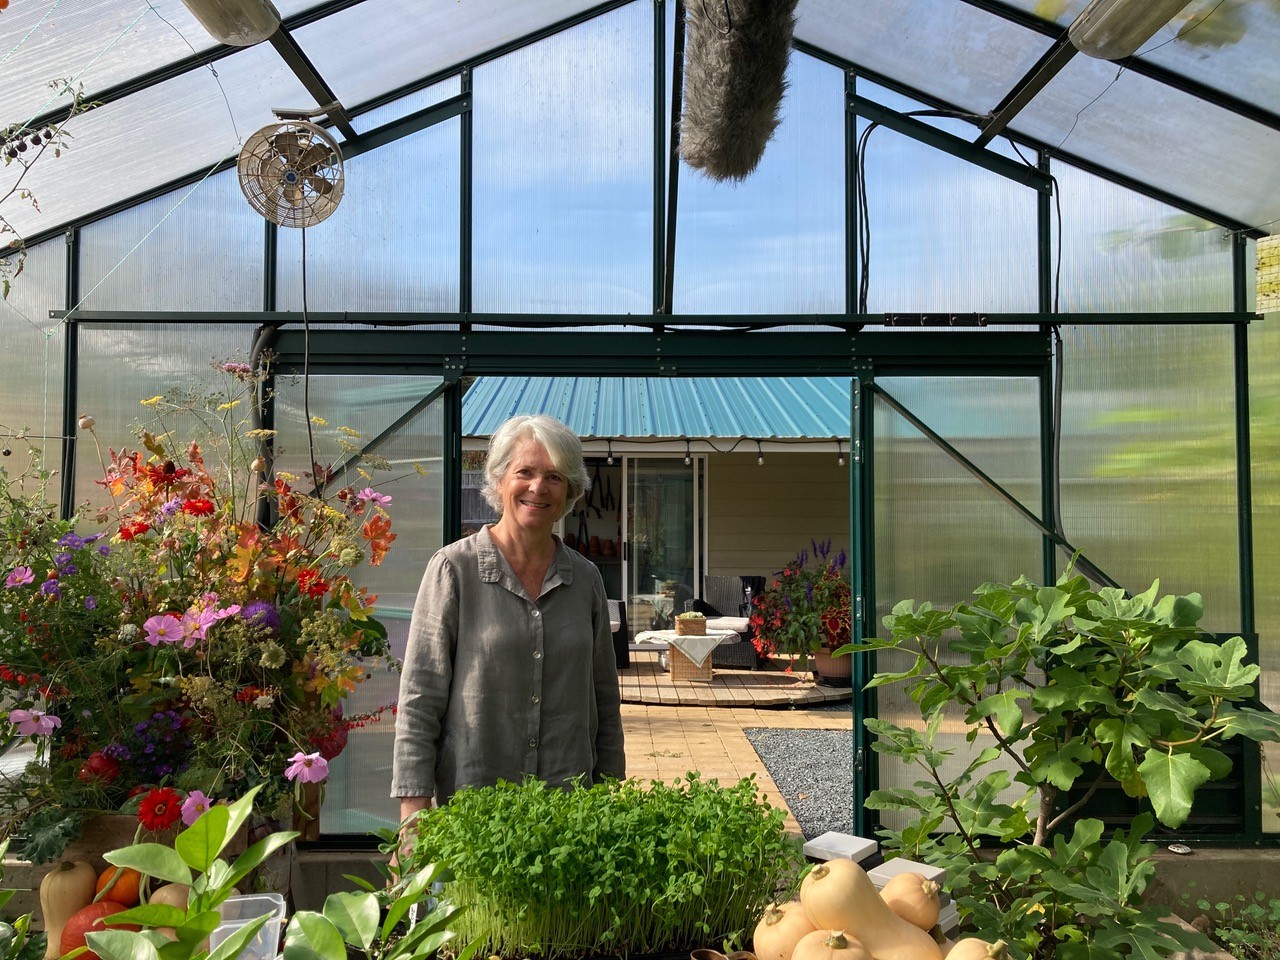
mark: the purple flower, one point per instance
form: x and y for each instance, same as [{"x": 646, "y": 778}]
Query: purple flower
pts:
[
  {"x": 34, "y": 723},
  {"x": 91, "y": 603},
  {"x": 104, "y": 550},
  {"x": 263, "y": 615},
  {"x": 192, "y": 807},
  {"x": 170, "y": 507},
  {"x": 50, "y": 588},
  {"x": 307, "y": 767},
  {"x": 61, "y": 560},
  {"x": 71, "y": 541},
  {"x": 369, "y": 495},
  {"x": 18, "y": 576}
]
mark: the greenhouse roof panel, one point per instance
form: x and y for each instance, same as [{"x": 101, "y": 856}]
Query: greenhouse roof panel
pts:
[{"x": 378, "y": 46}]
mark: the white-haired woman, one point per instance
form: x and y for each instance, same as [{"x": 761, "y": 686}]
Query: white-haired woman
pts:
[{"x": 510, "y": 667}]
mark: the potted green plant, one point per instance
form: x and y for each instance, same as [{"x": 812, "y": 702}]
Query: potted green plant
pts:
[
  {"x": 1069, "y": 688},
  {"x": 616, "y": 869},
  {"x": 171, "y": 645},
  {"x": 806, "y": 611},
  {"x": 691, "y": 623}
]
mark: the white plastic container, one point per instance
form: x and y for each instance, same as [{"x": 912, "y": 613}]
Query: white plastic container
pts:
[{"x": 236, "y": 912}]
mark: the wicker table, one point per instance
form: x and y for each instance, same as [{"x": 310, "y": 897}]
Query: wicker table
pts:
[{"x": 689, "y": 657}]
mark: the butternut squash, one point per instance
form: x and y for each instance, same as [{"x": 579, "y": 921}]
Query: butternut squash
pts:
[
  {"x": 913, "y": 898},
  {"x": 65, "y": 889},
  {"x": 779, "y": 930},
  {"x": 972, "y": 948},
  {"x": 829, "y": 945},
  {"x": 838, "y": 895}
]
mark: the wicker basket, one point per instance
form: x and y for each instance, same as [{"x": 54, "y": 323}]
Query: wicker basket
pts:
[
  {"x": 684, "y": 670},
  {"x": 691, "y": 627}
]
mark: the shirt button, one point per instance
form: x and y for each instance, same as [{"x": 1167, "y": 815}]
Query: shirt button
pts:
[
  {"x": 537, "y": 654},
  {"x": 533, "y": 742},
  {"x": 535, "y": 698},
  {"x": 537, "y": 613}
]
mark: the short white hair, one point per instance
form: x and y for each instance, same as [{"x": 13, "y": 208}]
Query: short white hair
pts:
[{"x": 562, "y": 446}]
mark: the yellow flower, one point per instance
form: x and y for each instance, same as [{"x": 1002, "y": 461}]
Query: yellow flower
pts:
[
  {"x": 319, "y": 421},
  {"x": 260, "y": 434},
  {"x": 152, "y": 401},
  {"x": 231, "y": 405}
]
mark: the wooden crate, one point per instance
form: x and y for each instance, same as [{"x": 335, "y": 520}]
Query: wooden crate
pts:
[{"x": 684, "y": 670}]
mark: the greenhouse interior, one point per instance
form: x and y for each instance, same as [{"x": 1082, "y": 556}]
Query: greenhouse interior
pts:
[{"x": 1030, "y": 277}]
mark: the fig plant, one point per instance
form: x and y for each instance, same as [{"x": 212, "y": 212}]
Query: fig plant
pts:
[{"x": 1068, "y": 687}]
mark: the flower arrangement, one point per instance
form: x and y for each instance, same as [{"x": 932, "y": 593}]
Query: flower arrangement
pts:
[
  {"x": 199, "y": 642},
  {"x": 807, "y": 608}
]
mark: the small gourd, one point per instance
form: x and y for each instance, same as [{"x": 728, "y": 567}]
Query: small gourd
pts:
[
  {"x": 914, "y": 898},
  {"x": 829, "y": 945},
  {"x": 779, "y": 930},
  {"x": 174, "y": 895},
  {"x": 838, "y": 895},
  {"x": 972, "y": 948},
  {"x": 64, "y": 890}
]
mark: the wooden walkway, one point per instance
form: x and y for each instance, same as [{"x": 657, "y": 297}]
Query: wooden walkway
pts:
[{"x": 645, "y": 682}]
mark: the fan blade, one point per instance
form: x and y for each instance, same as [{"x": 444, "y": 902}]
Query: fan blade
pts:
[
  {"x": 314, "y": 156},
  {"x": 288, "y": 145},
  {"x": 320, "y": 185},
  {"x": 292, "y": 193}
]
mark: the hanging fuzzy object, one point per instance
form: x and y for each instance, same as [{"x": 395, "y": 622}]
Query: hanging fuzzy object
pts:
[{"x": 735, "y": 64}]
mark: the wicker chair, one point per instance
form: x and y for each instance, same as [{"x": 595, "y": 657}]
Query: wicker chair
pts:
[{"x": 727, "y": 595}]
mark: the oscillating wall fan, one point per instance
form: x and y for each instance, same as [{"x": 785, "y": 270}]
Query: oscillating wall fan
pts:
[{"x": 291, "y": 173}]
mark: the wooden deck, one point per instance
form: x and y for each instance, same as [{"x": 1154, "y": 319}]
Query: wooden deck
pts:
[{"x": 645, "y": 682}]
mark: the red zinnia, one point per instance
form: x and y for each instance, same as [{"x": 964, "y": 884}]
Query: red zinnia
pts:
[
  {"x": 311, "y": 583},
  {"x": 197, "y": 507},
  {"x": 160, "y": 809},
  {"x": 130, "y": 530}
]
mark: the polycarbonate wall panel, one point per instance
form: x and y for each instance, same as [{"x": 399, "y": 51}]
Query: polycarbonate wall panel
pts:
[
  {"x": 377, "y": 46},
  {"x": 939, "y": 534},
  {"x": 1123, "y": 252},
  {"x": 356, "y": 794},
  {"x": 1264, "y": 411},
  {"x": 993, "y": 422},
  {"x": 775, "y": 242},
  {"x": 1141, "y": 128},
  {"x": 945, "y": 235},
  {"x": 1149, "y": 459},
  {"x": 954, "y": 51},
  {"x": 31, "y": 361},
  {"x": 156, "y": 135},
  {"x": 197, "y": 248},
  {"x": 404, "y": 106},
  {"x": 563, "y": 195},
  {"x": 122, "y": 364},
  {"x": 392, "y": 244}
]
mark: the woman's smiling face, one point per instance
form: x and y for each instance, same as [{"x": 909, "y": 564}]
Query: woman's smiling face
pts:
[{"x": 534, "y": 492}]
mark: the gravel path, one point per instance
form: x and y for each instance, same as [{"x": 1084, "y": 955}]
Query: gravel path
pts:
[{"x": 814, "y": 773}]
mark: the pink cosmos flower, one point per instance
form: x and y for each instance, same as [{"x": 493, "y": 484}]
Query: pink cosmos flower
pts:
[
  {"x": 164, "y": 627},
  {"x": 192, "y": 807},
  {"x": 195, "y": 626},
  {"x": 307, "y": 767},
  {"x": 369, "y": 495},
  {"x": 34, "y": 723},
  {"x": 223, "y": 612},
  {"x": 18, "y": 576}
]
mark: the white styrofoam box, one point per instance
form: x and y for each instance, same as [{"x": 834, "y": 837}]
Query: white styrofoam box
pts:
[
  {"x": 891, "y": 868},
  {"x": 948, "y": 919},
  {"x": 836, "y": 846}
]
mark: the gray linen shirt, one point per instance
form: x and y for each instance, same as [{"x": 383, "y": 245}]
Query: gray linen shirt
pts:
[{"x": 498, "y": 686}]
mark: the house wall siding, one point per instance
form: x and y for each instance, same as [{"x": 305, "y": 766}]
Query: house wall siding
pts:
[{"x": 760, "y": 516}]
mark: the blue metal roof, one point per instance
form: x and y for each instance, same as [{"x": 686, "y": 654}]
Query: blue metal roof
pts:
[{"x": 620, "y": 407}]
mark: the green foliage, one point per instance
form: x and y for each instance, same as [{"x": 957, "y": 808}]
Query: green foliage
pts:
[
  {"x": 616, "y": 869},
  {"x": 1249, "y": 927},
  {"x": 1064, "y": 686}
]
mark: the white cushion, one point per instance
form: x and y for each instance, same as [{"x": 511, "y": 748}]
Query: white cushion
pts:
[{"x": 736, "y": 624}]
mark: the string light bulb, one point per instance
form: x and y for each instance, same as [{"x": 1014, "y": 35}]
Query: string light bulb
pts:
[
  {"x": 839, "y": 453},
  {"x": 687, "y": 459},
  {"x": 759, "y": 455},
  {"x": 609, "y": 458}
]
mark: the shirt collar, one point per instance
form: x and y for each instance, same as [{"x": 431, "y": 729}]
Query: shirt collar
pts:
[{"x": 494, "y": 567}]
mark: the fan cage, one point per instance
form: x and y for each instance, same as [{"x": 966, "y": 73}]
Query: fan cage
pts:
[{"x": 291, "y": 173}]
